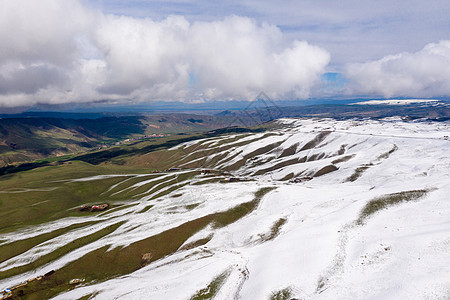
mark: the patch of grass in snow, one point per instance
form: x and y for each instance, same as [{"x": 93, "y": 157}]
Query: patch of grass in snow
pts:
[
  {"x": 315, "y": 141},
  {"x": 213, "y": 288},
  {"x": 263, "y": 191},
  {"x": 274, "y": 231},
  {"x": 321, "y": 284},
  {"x": 288, "y": 176},
  {"x": 145, "y": 208},
  {"x": 191, "y": 206},
  {"x": 276, "y": 227},
  {"x": 186, "y": 175},
  {"x": 315, "y": 157},
  {"x": 197, "y": 243},
  {"x": 387, "y": 154},
  {"x": 278, "y": 166},
  {"x": 326, "y": 170},
  {"x": 284, "y": 294},
  {"x": 89, "y": 296},
  {"x": 289, "y": 151},
  {"x": 342, "y": 159},
  {"x": 10, "y": 250},
  {"x": 384, "y": 202},
  {"x": 210, "y": 160},
  {"x": 232, "y": 215},
  {"x": 358, "y": 173}
]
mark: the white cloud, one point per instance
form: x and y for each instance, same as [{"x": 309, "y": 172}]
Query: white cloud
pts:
[
  {"x": 425, "y": 73},
  {"x": 353, "y": 31},
  {"x": 238, "y": 58},
  {"x": 59, "y": 51},
  {"x": 45, "y": 30}
]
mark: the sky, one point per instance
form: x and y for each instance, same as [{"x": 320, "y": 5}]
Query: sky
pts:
[{"x": 141, "y": 51}]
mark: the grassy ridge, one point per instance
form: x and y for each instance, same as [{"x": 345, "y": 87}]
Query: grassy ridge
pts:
[
  {"x": 102, "y": 264},
  {"x": 10, "y": 250},
  {"x": 61, "y": 251},
  {"x": 105, "y": 263}
]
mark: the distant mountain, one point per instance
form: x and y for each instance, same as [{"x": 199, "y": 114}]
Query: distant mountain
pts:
[
  {"x": 36, "y": 135},
  {"x": 431, "y": 110}
]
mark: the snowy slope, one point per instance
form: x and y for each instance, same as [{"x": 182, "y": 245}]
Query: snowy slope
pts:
[{"x": 309, "y": 237}]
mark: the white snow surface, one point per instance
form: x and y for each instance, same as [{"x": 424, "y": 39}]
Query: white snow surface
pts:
[
  {"x": 398, "y": 101},
  {"x": 400, "y": 252}
]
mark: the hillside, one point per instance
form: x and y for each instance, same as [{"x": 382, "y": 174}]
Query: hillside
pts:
[
  {"x": 310, "y": 208},
  {"x": 27, "y": 139}
]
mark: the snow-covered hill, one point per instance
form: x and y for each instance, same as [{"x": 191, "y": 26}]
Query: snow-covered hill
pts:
[{"x": 354, "y": 209}]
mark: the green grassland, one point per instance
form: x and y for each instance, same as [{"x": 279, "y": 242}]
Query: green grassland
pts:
[
  {"x": 47, "y": 190},
  {"x": 28, "y": 139},
  {"x": 47, "y": 193}
]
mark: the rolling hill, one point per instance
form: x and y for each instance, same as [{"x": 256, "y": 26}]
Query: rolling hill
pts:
[
  {"x": 310, "y": 208},
  {"x": 32, "y": 138},
  {"x": 40, "y": 135}
]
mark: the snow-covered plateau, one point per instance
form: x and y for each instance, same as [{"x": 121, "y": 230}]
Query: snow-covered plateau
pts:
[
  {"x": 350, "y": 209},
  {"x": 402, "y": 102}
]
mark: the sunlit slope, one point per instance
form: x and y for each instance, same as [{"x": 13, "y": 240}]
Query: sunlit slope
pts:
[{"x": 311, "y": 209}]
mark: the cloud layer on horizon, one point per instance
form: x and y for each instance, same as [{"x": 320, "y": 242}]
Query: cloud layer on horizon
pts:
[
  {"x": 61, "y": 51},
  {"x": 425, "y": 73}
]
